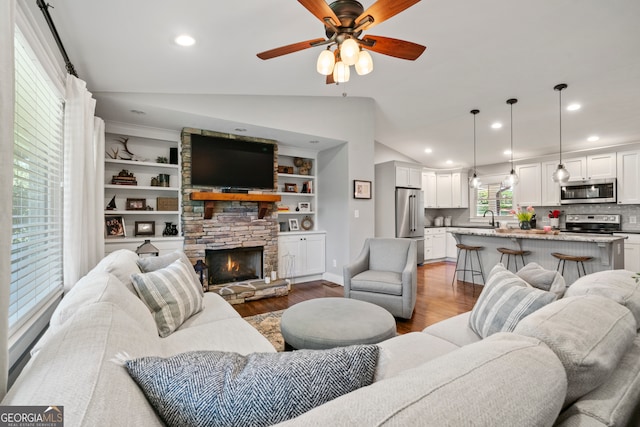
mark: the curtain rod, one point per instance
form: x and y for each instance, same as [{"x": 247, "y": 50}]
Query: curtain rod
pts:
[{"x": 44, "y": 7}]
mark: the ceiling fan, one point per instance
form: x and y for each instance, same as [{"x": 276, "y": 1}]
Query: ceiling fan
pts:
[{"x": 345, "y": 20}]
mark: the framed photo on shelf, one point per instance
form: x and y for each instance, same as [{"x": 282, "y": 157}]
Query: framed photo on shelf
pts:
[
  {"x": 361, "y": 189},
  {"x": 293, "y": 224},
  {"x": 136, "y": 204},
  {"x": 145, "y": 228},
  {"x": 290, "y": 188},
  {"x": 114, "y": 226},
  {"x": 304, "y": 207}
]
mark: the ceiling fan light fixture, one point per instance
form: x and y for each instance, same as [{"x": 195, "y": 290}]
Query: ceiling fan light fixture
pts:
[
  {"x": 341, "y": 72},
  {"x": 365, "y": 63},
  {"x": 349, "y": 50},
  {"x": 326, "y": 62}
]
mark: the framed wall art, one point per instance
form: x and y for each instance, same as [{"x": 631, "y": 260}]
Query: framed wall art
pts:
[
  {"x": 293, "y": 224},
  {"x": 361, "y": 189},
  {"x": 114, "y": 226},
  {"x": 136, "y": 204},
  {"x": 304, "y": 207},
  {"x": 145, "y": 228}
]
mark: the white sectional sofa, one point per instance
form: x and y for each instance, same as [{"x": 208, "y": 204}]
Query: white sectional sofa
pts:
[{"x": 445, "y": 376}]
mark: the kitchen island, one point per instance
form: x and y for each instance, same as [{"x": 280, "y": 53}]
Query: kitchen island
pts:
[{"x": 607, "y": 251}]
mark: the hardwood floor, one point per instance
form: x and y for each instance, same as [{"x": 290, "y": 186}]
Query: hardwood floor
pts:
[{"x": 436, "y": 300}]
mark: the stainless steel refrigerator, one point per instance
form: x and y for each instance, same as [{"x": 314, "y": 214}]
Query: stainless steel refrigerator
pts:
[{"x": 410, "y": 217}]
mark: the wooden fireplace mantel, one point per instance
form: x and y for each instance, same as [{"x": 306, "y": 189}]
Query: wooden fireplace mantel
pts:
[{"x": 209, "y": 199}]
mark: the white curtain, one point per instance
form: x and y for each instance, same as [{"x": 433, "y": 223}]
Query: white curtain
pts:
[
  {"x": 83, "y": 183},
  {"x": 7, "y": 99}
]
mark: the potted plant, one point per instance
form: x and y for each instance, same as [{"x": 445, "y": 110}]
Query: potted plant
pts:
[
  {"x": 554, "y": 219},
  {"x": 524, "y": 216}
]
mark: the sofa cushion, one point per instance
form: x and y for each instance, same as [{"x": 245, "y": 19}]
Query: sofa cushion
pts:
[
  {"x": 616, "y": 401},
  {"x": 122, "y": 264},
  {"x": 455, "y": 329},
  {"x": 547, "y": 280},
  {"x": 222, "y": 389},
  {"x": 504, "y": 301},
  {"x": 617, "y": 285},
  {"x": 383, "y": 282},
  {"x": 388, "y": 254},
  {"x": 589, "y": 334},
  {"x": 505, "y": 380},
  {"x": 153, "y": 263},
  {"x": 171, "y": 295}
]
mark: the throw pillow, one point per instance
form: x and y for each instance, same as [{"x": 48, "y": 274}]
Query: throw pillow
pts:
[
  {"x": 216, "y": 388},
  {"x": 504, "y": 301},
  {"x": 153, "y": 263},
  {"x": 171, "y": 294},
  {"x": 547, "y": 280}
]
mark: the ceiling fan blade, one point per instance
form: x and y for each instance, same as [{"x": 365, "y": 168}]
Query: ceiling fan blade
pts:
[
  {"x": 285, "y": 50},
  {"x": 382, "y": 10},
  {"x": 320, "y": 10},
  {"x": 393, "y": 47}
]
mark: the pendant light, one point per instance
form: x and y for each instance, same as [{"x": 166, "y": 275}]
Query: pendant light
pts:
[
  {"x": 560, "y": 175},
  {"x": 512, "y": 179},
  {"x": 474, "y": 182}
]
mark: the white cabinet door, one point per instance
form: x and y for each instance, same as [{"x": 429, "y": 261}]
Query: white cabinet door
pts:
[
  {"x": 439, "y": 246},
  {"x": 459, "y": 190},
  {"x": 443, "y": 191},
  {"x": 428, "y": 246},
  {"x": 577, "y": 168},
  {"x": 452, "y": 250},
  {"x": 415, "y": 178},
  {"x": 528, "y": 191},
  {"x": 402, "y": 176},
  {"x": 289, "y": 264},
  {"x": 430, "y": 188},
  {"x": 628, "y": 177},
  {"x": 313, "y": 246},
  {"x": 601, "y": 166},
  {"x": 550, "y": 188},
  {"x": 632, "y": 256}
]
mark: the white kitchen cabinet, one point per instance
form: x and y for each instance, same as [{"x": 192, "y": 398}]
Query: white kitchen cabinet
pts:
[
  {"x": 443, "y": 190},
  {"x": 434, "y": 243},
  {"x": 430, "y": 188},
  {"x": 550, "y": 189},
  {"x": 301, "y": 254},
  {"x": 628, "y": 171},
  {"x": 631, "y": 251},
  {"x": 451, "y": 249},
  {"x": 601, "y": 166},
  {"x": 528, "y": 191},
  {"x": 459, "y": 190},
  {"x": 577, "y": 167},
  {"x": 408, "y": 177}
]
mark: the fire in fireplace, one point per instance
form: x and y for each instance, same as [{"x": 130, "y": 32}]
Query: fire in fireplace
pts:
[{"x": 234, "y": 265}]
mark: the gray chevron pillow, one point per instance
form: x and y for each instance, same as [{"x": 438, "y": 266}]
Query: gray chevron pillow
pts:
[{"x": 214, "y": 388}]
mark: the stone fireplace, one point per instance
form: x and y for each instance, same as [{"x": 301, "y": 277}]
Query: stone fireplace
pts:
[{"x": 234, "y": 265}]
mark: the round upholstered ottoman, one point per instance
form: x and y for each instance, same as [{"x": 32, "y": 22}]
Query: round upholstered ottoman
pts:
[{"x": 335, "y": 322}]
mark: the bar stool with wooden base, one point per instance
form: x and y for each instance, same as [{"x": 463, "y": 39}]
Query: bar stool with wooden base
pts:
[
  {"x": 474, "y": 272},
  {"x": 579, "y": 260},
  {"x": 515, "y": 252}
]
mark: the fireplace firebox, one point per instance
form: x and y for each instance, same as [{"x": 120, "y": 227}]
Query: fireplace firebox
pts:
[{"x": 234, "y": 265}]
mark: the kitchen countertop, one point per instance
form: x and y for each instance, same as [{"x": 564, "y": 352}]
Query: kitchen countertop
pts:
[{"x": 561, "y": 236}]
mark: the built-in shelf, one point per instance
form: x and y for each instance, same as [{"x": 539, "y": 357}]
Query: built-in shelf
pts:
[
  {"x": 140, "y": 212},
  {"x": 210, "y": 197},
  {"x": 134, "y": 163},
  {"x": 139, "y": 187}
]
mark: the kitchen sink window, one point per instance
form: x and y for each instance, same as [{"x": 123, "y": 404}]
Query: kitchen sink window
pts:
[{"x": 491, "y": 195}]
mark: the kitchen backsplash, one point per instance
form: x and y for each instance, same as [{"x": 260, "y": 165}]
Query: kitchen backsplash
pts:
[{"x": 461, "y": 216}]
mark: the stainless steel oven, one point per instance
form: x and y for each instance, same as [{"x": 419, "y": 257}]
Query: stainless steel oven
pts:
[
  {"x": 589, "y": 191},
  {"x": 593, "y": 223}
]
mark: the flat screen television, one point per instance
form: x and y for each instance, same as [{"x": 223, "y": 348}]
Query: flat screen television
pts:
[{"x": 231, "y": 163}]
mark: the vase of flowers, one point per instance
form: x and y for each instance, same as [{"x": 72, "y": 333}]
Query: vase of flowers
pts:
[
  {"x": 524, "y": 216},
  {"x": 554, "y": 219}
]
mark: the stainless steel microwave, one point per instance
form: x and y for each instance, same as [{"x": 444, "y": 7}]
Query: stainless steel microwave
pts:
[{"x": 588, "y": 191}]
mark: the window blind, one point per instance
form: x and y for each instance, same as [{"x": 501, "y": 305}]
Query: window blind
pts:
[{"x": 36, "y": 247}]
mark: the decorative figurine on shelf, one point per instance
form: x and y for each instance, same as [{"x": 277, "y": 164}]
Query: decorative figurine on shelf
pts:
[
  {"x": 167, "y": 229},
  {"x": 112, "y": 204},
  {"x": 161, "y": 159},
  {"x": 202, "y": 271}
]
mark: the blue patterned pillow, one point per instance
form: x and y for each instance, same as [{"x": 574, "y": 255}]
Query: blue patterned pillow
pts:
[{"x": 215, "y": 388}]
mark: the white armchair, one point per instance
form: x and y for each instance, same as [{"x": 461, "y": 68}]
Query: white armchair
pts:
[{"x": 385, "y": 274}]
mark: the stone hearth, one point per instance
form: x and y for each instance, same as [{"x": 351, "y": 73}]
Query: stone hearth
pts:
[{"x": 237, "y": 293}]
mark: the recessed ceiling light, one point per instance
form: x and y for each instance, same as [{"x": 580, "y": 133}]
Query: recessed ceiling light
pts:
[
  {"x": 137, "y": 112},
  {"x": 507, "y": 152},
  {"x": 496, "y": 125},
  {"x": 240, "y": 129},
  {"x": 314, "y": 141},
  {"x": 185, "y": 40},
  {"x": 593, "y": 138},
  {"x": 449, "y": 162},
  {"x": 573, "y": 107},
  {"x": 428, "y": 150}
]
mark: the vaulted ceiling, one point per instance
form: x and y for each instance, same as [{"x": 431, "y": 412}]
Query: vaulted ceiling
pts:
[{"x": 479, "y": 54}]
